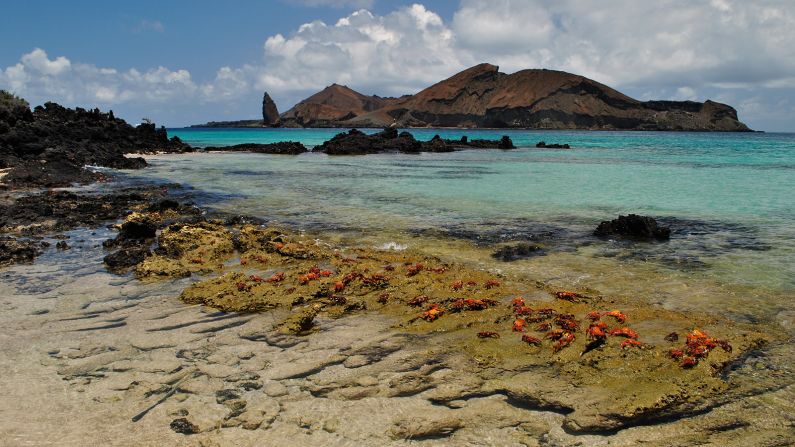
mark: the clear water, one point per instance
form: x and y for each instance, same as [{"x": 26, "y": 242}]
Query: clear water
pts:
[{"x": 730, "y": 198}]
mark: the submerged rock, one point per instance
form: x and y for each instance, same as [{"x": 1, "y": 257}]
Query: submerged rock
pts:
[
  {"x": 13, "y": 251},
  {"x": 280, "y": 148},
  {"x": 635, "y": 227},
  {"x": 519, "y": 251},
  {"x": 544, "y": 145}
]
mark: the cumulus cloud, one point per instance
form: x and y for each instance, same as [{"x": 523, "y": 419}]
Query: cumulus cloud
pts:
[
  {"x": 392, "y": 54},
  {"x": 677, "y": 49}
]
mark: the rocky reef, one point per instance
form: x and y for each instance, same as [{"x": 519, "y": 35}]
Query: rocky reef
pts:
[
  {"x": 51, "y": 145},
  {"x": 280, "y": 148},
  {"x": 481, "y": 96},
  {"x": 605, "y": 363},
  {"x": 633, "y": 226},
  {"x": 356, "y": 142}
]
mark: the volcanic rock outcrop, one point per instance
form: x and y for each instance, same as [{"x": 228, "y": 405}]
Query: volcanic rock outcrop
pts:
[
  {"x": 356, "y": 142},
  {"x": 51, "y": 145},
  {"x": 270, "y": 114},
  {"x": 481, "y": 96}
]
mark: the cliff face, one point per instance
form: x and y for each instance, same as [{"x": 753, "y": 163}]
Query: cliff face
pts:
[{"x": 481, "y": 96}]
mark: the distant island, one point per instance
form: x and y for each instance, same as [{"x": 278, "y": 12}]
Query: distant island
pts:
[{"x": 483, "y": 97}]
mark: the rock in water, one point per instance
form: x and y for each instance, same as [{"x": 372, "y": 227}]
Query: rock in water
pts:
[
  {"x": 635, "y": 227},
  {"x": 270, "y": 114}
]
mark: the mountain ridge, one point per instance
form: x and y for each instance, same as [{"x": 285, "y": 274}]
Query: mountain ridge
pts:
[{"x": 483, "y": 97}]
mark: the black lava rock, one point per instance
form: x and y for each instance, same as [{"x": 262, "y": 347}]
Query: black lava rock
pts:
[
  {"x": 184, "y": 426},
  {"x": 515, "y": 252},
  {"x": 633, "y": 226},
  {"x": 544, "y": 145},
  {"x": 126, "y": 258}
]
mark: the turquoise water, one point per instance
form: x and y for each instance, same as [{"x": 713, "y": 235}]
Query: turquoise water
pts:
[{"x": 730, "y": 198}]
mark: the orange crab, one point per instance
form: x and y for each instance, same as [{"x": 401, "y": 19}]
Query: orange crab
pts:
[
  {"x": 438, "y": 269},
  {"x": 530, "y": 340},
  {"x": 563, "y": 341},
  {"x": 567, "y": 322},
  {"x": 326, "y": 273},
  {"x": 339, "y": 286},
  {"x": 518, "y": 301},
  {"x": 595, "y": 332},
  {"x": 624, "y": 332},
  {"x": 628, "y": 343},
  {"x": 433, "y": 312},
  {"x": 303, "y": 279},
  {"x": 457, "y": 285},
  {"x": 616, "y": 314},
  {"x": 276, "y": 277},
  {"x": 518, "y": 325}
]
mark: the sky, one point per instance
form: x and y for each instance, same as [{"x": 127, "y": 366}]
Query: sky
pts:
[{"x": 183, "y": 62}]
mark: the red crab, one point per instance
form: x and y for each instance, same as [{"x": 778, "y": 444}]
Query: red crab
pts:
[
  {"x": 518, "y": 325},
  {"x": 488, "y": 334},
  {"x": 563, "y": 341},
  {"x": 554, "y": 334},
  {"x": 574, "y": 297},
  {"x": 276, "y": 277},
  {"x": 492, "y": 283},
  {"x": 418, "y": 300},
  {"x": 530, "y": 340},
  {"x": 688, "y": 362},
  {"x": 383, "y": 298},
  {"x": 256, "y": 278},
  {"x": 414, "y": 269},
  {"x": 457, "y": 285},
  {"x": 326, "y": 273},
  {"x": 595, "y": 315}
]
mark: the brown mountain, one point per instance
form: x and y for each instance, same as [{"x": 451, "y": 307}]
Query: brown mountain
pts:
[
  {"x": 481, "y": 96},
  {"x": 332, "y": 105}
]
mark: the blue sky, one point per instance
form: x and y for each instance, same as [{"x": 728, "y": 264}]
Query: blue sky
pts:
[{"x": 183, "y": 62}]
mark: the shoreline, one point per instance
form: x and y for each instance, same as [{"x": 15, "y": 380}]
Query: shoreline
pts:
[{"x": 338, "y": 377}]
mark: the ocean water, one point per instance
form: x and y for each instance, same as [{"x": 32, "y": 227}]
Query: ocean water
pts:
[{"x": 729, "y": 198}]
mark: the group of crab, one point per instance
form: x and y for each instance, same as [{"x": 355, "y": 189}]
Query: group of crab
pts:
[
  {"x": 562, "y": 327},
  {"x": 698, "y": 346},
  {"x": 435, "y": 310}
]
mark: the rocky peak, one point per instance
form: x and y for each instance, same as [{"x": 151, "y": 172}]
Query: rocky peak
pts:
[{"x": 270, "y": 114}]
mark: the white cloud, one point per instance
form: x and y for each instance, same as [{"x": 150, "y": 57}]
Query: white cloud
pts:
[
  {"x": 675, "y": 49},
  {"x": 150, "y": 25}
]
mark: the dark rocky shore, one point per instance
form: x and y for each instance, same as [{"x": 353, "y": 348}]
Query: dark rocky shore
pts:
[
  {"x": 355, "y": 142},
  {"x": 51, "y": 145}
]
